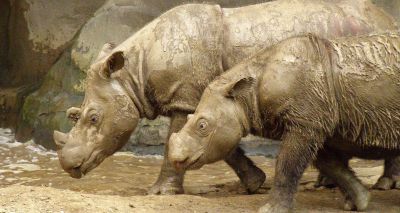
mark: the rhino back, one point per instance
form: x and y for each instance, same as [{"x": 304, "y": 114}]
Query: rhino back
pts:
[
  {"x": 252, "y": 28},
  {"x": 367, "y": 87},
  {"x": 190, "y": 45},
  {"x": 184, "y": 56}
]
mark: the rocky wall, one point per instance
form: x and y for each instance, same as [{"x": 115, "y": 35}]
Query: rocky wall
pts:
[
  {"x": 39, "y": 31},
  {"x": 4, "y": 15}
]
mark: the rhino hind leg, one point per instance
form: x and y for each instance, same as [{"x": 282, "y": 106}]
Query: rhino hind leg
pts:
[
  {"x": 389, "y": 180},
  {"x": 250, "y": 175},
  {"x": 324, "y": 181},
  {"x": 336, "y": 167},
  {"x": 391, "y": 175}
]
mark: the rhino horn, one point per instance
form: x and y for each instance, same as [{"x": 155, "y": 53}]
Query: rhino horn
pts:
[{"x": 60, "y": 139}]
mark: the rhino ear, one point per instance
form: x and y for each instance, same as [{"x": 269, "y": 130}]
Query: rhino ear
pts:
[
  {"x": 74, "y": 114},
  {"x": 240, "y": 88},
  {"x": 114, "y": 63},
  {"x": 105, "y": 50}
]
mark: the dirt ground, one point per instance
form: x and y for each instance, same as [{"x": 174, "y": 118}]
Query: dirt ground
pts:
[{"x": 32, "y": 181}]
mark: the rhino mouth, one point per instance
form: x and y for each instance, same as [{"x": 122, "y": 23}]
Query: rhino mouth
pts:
[
  {"x": 76, "y": 172},
  {"x": 194, "y": 163},
  {"x": 94, "y": 160}
]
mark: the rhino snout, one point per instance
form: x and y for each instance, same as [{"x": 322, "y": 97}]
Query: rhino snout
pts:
[
  {"x": 71, "y": 155},
  {"x": 179, "y": 153},
  {"x": 71, "y": 160}
]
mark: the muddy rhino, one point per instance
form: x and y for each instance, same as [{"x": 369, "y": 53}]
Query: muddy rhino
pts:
[
  {"x": 164, "y": 68},
  {"x": 327, "y": 100}
]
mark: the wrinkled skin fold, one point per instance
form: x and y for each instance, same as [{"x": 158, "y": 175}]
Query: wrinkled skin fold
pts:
[
  {"x": 327, "y": 100},
  {"x": 164, "y": 68}
]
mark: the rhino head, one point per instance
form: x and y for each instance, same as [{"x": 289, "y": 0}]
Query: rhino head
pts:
[
  {"x": 105, "y": 120},
  {"x": 214, "y": 130}
]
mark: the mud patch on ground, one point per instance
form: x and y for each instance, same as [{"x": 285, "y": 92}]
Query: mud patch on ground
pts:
[{"x": 31, "y": 180}]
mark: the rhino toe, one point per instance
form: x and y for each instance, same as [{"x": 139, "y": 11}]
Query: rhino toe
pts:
[
  {"x": 255, "y": 181},
  {"x": 358, "y": 203},
  {"x": 165, "y": 188},
  {"x": 385, "y": 183}
]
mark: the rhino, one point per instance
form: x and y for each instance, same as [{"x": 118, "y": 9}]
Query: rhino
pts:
[
  {"x": 327, "y": 100},
  {"x": 163, "y": 69}
]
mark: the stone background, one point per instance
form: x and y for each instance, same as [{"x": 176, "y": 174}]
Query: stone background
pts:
[{"x": 46, "y": 47}]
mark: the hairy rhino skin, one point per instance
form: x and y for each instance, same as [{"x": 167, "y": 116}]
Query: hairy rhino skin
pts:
[{"x": 325, "y": 99}]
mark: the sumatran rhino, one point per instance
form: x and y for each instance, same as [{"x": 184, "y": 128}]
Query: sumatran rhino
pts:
[
  {"x": 164, "y": 68},
  {"x": 325, "y": 99}
]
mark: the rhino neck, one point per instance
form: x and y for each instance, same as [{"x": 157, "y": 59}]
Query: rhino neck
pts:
[
  {"x": 139, "y": 80},
  {"x": 134, "y": 80},
  {"x": 136, "y": 48},
  {"x": 251, "y": 121},
  {"x": 254, "y": 114}
]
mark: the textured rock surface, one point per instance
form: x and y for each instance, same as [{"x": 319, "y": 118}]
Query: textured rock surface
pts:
[
  {"x": 4, "y": 13},
  {"x": 55, "y": 41},
  {"x": 114, "y": 22},
  {"x": 45, "y": 109},
  {"x": 40, "y": 32}
]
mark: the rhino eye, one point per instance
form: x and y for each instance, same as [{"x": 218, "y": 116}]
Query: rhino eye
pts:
[
  {"x": 94, "y": 119},
  {"x": 202, "y": 125}
]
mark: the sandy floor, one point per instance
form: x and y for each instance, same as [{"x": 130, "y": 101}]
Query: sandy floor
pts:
[{"x": 32, "y": 181}]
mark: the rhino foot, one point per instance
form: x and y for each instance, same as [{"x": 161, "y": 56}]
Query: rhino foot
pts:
[
  {"x": 325, "y": 182},
  {"x": 256, "y": 179},
  {"x": 165, "y": 187},
  {"x": 274, "y": 208},
  {"x": 249, "y": 174},
  {"x": 386, "y": 183},
  {"x": 360, "y": 203}
]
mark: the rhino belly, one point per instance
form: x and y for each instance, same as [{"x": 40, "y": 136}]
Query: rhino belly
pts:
[{"x": 355, "y": 149}]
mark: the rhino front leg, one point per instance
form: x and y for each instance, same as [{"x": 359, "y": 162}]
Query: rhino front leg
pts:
[
  {"x": 335, "y": 166},
  {"x": 391, "y": 175},
  {"x": 298, "y": 149},
  {"x": 169, "y": 180},
  {"x": 250, "y": 175}
]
